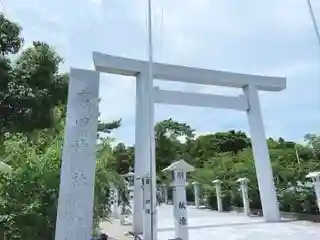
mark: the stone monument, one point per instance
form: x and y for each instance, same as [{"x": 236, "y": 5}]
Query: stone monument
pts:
[{"x": 76, "y": 194}]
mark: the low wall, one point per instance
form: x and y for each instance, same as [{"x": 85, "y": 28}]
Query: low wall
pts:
[{"x": 290, "y": 215}]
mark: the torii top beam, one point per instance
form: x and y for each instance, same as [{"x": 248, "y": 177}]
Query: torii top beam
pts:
[{"x": 131, "y": 67}]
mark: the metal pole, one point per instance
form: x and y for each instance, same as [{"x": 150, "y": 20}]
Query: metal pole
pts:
[
  {"x": 297, "y": 153},
  {"x": 314, "y": 21},
  {"x": 150, "y": 78}
]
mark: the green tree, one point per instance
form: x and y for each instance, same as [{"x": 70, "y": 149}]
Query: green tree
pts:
[
  {"x": 170, "y": 137},
  {"x": 313, "y": 142},
  {"x": 32, "y": 112},
  {"x": 29, "y": 194},
  {"x": 206, "y": 146},
  {"x": 10, "y": 40},
  {"x": 31, "y": 86},
  {"x": 123, "y": 158}
]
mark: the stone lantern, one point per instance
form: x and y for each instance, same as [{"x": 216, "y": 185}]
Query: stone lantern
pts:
[{"x": 179, "y": 171}]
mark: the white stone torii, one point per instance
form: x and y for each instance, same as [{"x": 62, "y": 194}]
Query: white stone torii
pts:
[
  {"x": 147, "y": 95},
  {"x": 78, "y": 160}
]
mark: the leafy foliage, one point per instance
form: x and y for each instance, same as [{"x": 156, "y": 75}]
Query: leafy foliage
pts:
[
  {"x": 228, "y": 156},
  {"x": 29, "y": 194},
  {"x": 33, "y": 96},
  {"x": 31, "y": 86},
  {"x": 10, "y": 40}
]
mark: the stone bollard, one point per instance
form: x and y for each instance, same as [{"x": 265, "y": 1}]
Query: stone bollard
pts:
[
  {"x": 196, "y": 194},
  {"x": 115, "y": 205},
  {"x": 122, "y": 216},
  {"x": 129, "y": 180},
  {"x": 165, "y": 193},
  {"x": 218, "y": 183},
  {"x": 125, "y": 212},
  {"x": 179, "y": 171},
  {"x": 244, "y": 192},
  {"x": 315, "y": 176}
]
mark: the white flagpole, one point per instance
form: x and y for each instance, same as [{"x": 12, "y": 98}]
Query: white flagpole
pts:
[
  {"x": 152, "y": 157},
  {"x": 314, "y": 21}
]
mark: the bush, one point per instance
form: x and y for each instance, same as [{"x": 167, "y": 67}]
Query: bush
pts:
[
  {"x": 170, "y": 193},
  {"x": 29, "y": 194},
  {"x": 301, "y": 201},
  {"x": 212, "y": 200},
  {"x": 226, "y": 201},
  {"x": 236, "y": 199},
  {"x": 190, "y": 193},
  {"x": 254, "y": 198}
]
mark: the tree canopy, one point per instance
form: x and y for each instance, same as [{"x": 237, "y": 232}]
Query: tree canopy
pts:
[{"x": 33, "y": 95}]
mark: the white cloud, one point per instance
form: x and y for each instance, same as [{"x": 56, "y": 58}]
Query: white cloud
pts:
[{"x": 259, "y": 37}]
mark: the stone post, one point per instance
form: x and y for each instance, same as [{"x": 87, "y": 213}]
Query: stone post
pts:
[
  {"x": 244, "y": 192},
  {"x": 115, "y": 205},
  {"x": 179, "y": 171},
  {"x": 205, "y": 197},
  {"x": 129, "y": 178},
  {"x": 123, "y": 215},
  {"x": 196, "y": 194},
  {"x": 315, "y": 176},
  {"x": 165, "y": 193},
  {"x": 218, "y": 183}
]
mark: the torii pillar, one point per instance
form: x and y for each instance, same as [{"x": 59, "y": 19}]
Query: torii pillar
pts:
[{"x": 268, "y": 195}]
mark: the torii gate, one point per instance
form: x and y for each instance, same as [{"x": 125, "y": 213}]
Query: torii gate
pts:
[
  {"x": 147, "y": 95},
  {"x": 74, "y": 217}
]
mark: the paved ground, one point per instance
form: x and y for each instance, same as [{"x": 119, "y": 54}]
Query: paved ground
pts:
[
  {"x": 207, "y": 224},
  {"x": 115, "y": 230}
]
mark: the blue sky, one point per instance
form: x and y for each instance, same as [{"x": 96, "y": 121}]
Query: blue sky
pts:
[{"x": 273, "y": 37}]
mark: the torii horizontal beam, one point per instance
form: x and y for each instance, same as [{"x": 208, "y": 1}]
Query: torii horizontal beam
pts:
[
  {"x": 131, "y": 67},
  {"x": 200, "y": 100}
]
